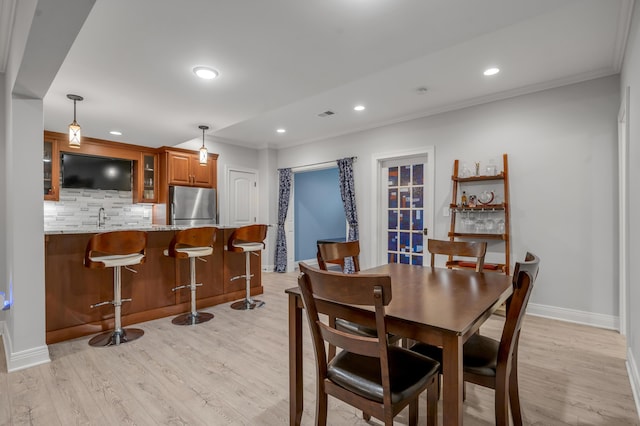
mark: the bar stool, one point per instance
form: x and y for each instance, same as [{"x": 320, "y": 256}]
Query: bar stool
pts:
[
  {"x": 248, "y": 240},
  {"x": 115, "y": 250},
  {"x": 193, "y": 243}
]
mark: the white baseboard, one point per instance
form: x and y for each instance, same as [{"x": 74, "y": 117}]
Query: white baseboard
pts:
[
  {"x": 571, "y": 315},
  {"x": 634, "y": 378},
  {"x": 23, "y": 359}
]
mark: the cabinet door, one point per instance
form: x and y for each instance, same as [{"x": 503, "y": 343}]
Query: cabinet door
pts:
[
  {"x": 179, "y": 169},
  {"x": 147, "y": 172},
  {"x": 202, "y": 173},
  {"x": 51, "y": 167}
]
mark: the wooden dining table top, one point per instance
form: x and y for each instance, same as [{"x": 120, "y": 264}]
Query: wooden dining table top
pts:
[{"x": 445, "y": 299}]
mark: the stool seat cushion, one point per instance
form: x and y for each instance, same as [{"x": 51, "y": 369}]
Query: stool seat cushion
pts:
[
  {"x": 249, "y": 246},
  {"x": 118, "y": 259},
  {"x": 192, "y": 251}
]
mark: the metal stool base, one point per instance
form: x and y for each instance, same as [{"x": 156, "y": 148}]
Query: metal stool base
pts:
[
  {"x": 114, "y": 338},
  {"x": 191, "y": 319},
  {"x": 246, "y": 304}
]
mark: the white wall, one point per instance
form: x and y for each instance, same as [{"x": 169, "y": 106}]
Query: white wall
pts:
[
  {"x": 562, "y": 146},
  {"x": 630, "y": 77}
]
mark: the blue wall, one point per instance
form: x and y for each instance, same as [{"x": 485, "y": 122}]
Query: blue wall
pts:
[{"x": 319, "y": 213}]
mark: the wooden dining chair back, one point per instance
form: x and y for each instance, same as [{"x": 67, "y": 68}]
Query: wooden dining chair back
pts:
[
  {"x": 473, "y": 249},
  {"x": 337, "y": 253},
  {"x": 368, "y": 374}
]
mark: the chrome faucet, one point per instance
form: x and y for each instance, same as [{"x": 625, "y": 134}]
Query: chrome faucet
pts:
[{"x": 102, "y": 216}]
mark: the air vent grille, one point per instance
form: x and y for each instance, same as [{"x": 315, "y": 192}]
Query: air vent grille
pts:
[{"x": 326, "y": 113}]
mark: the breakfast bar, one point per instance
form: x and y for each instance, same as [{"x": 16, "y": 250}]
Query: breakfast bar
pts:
[{"x": 71, "y": 288}]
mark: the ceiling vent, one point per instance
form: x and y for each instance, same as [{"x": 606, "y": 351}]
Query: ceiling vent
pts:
[{"x": 326, "y": 113}]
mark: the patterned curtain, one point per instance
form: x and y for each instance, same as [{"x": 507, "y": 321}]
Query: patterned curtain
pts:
[
  {"x": 348, "y": 194},
  {"x": 283, "y": 206}
]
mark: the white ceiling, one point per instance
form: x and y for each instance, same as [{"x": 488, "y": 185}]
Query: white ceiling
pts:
[{"x": 282, "y": 62}]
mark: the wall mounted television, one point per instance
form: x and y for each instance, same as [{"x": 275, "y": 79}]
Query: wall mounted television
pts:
[{"x": 93, "y": 172}]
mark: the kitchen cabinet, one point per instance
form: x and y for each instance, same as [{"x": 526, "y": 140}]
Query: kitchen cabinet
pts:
[
  {"x": 185, "y": 169},
  {"x": 51, "y": 167},
  {"x": 480, "y": 212},
  {"x": 147, "y": 181}
]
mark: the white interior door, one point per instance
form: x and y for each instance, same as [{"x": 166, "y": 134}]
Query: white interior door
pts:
[
  {"x": 404, "y": 206},
  {"x": 242, "y": 190}
]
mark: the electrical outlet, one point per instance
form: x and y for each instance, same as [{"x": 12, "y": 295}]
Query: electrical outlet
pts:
[
  {"x": 145, "y": 213},
  {"x": 445, "y": 212}
]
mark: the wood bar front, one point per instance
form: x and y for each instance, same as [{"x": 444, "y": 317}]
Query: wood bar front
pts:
[{"x": 71, "y": 288}]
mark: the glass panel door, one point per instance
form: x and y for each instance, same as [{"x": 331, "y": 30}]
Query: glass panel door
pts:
[{"x": 405, "y": 211}]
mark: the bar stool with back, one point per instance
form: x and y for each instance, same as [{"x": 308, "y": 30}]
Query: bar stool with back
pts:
[
  {"x": 248, "y": 240},
  {"x": 115, "y": 250},
  {"x": 192, "y": 244}
]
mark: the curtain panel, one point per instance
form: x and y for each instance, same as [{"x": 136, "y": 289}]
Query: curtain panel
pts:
[
  {"x": 283, "y": 207},
  {"x": 348, "y": 194}
]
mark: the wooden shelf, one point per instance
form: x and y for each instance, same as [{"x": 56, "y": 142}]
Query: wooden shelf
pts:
[
  {"x": 500, "y": 206},
  {"x": 500, "y": 185},
  {"x": 477, "y": 178}
]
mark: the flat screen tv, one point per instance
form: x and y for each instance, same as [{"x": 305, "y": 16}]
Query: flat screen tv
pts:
[{"x": 93, "y": 172}]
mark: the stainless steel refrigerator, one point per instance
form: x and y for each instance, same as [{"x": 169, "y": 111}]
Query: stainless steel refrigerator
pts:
[{"x": 192, "y": 206}]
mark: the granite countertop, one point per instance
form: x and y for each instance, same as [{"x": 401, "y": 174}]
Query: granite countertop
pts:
[{"x": 94, "y": 229}]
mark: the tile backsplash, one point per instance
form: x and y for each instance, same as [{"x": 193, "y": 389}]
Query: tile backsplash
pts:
[{"x": 78, "y": 208}]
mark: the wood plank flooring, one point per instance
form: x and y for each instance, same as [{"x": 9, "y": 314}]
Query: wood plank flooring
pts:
[{"x": 233, "y": 370}]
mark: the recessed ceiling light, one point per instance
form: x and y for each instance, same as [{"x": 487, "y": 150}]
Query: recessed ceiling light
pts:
[
  {"x": 491, "y": 71},
  {"x": 115, "y": 132},
  {"x": 359, "y": 108},
  {"x": 281, "y": 130},
  {"x": 206, "y": 73}
]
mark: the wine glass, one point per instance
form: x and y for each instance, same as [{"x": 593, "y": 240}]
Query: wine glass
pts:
[
  {"x": 480, "y": 224},
  {"x": 490, "y": 224}
]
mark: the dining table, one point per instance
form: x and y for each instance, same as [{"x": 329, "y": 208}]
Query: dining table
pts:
[{"x": 438, "y": 306}]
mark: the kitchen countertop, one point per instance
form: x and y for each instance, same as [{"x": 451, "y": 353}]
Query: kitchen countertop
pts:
[{"x": 94, "y": 229}]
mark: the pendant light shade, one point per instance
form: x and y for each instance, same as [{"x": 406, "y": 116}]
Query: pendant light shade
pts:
[
  {"x": 74, "y": 128},
  {"x": 204, "y": 155}
]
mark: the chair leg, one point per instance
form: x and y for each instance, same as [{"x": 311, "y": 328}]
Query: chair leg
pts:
[
  {"x": 433, "y": 393},
  {"x": 321, "y": 408},
  {"x": 514, "y": 397},
  {"x": 501, "y": 404},
  {"x": 413, "y": 412}
]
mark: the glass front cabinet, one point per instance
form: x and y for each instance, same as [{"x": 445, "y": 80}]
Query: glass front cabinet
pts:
[
  {"x": 51, "y": 167},
  {"x": 147, "y": 188}
]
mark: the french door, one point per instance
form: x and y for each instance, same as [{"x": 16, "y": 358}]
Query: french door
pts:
[{"x": 405, "y": 208}]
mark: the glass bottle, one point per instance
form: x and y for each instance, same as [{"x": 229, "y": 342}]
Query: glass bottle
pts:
[{"x": 463, "y": 199}]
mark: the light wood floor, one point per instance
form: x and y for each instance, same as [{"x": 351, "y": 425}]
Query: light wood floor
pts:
[{"x": 233, "y": 370}]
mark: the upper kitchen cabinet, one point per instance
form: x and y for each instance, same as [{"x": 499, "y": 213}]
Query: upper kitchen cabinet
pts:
[
  {"x": 184, "y": 168},
  {"x": 51, "y": 167},
  {"x": 146, "y": 180}
]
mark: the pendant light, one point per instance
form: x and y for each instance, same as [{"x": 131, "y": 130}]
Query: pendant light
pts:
[
  {"x": 74, "y": 128},
  {"x": 204, "y": 155}
]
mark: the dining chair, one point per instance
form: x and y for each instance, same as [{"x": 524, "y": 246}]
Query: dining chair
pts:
[
  {"x": 337, "y": 253},
  {"x": 458, "y": 248},
  {"x": 494, "y": 364},
  {"x": 368, "y": 374}
]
